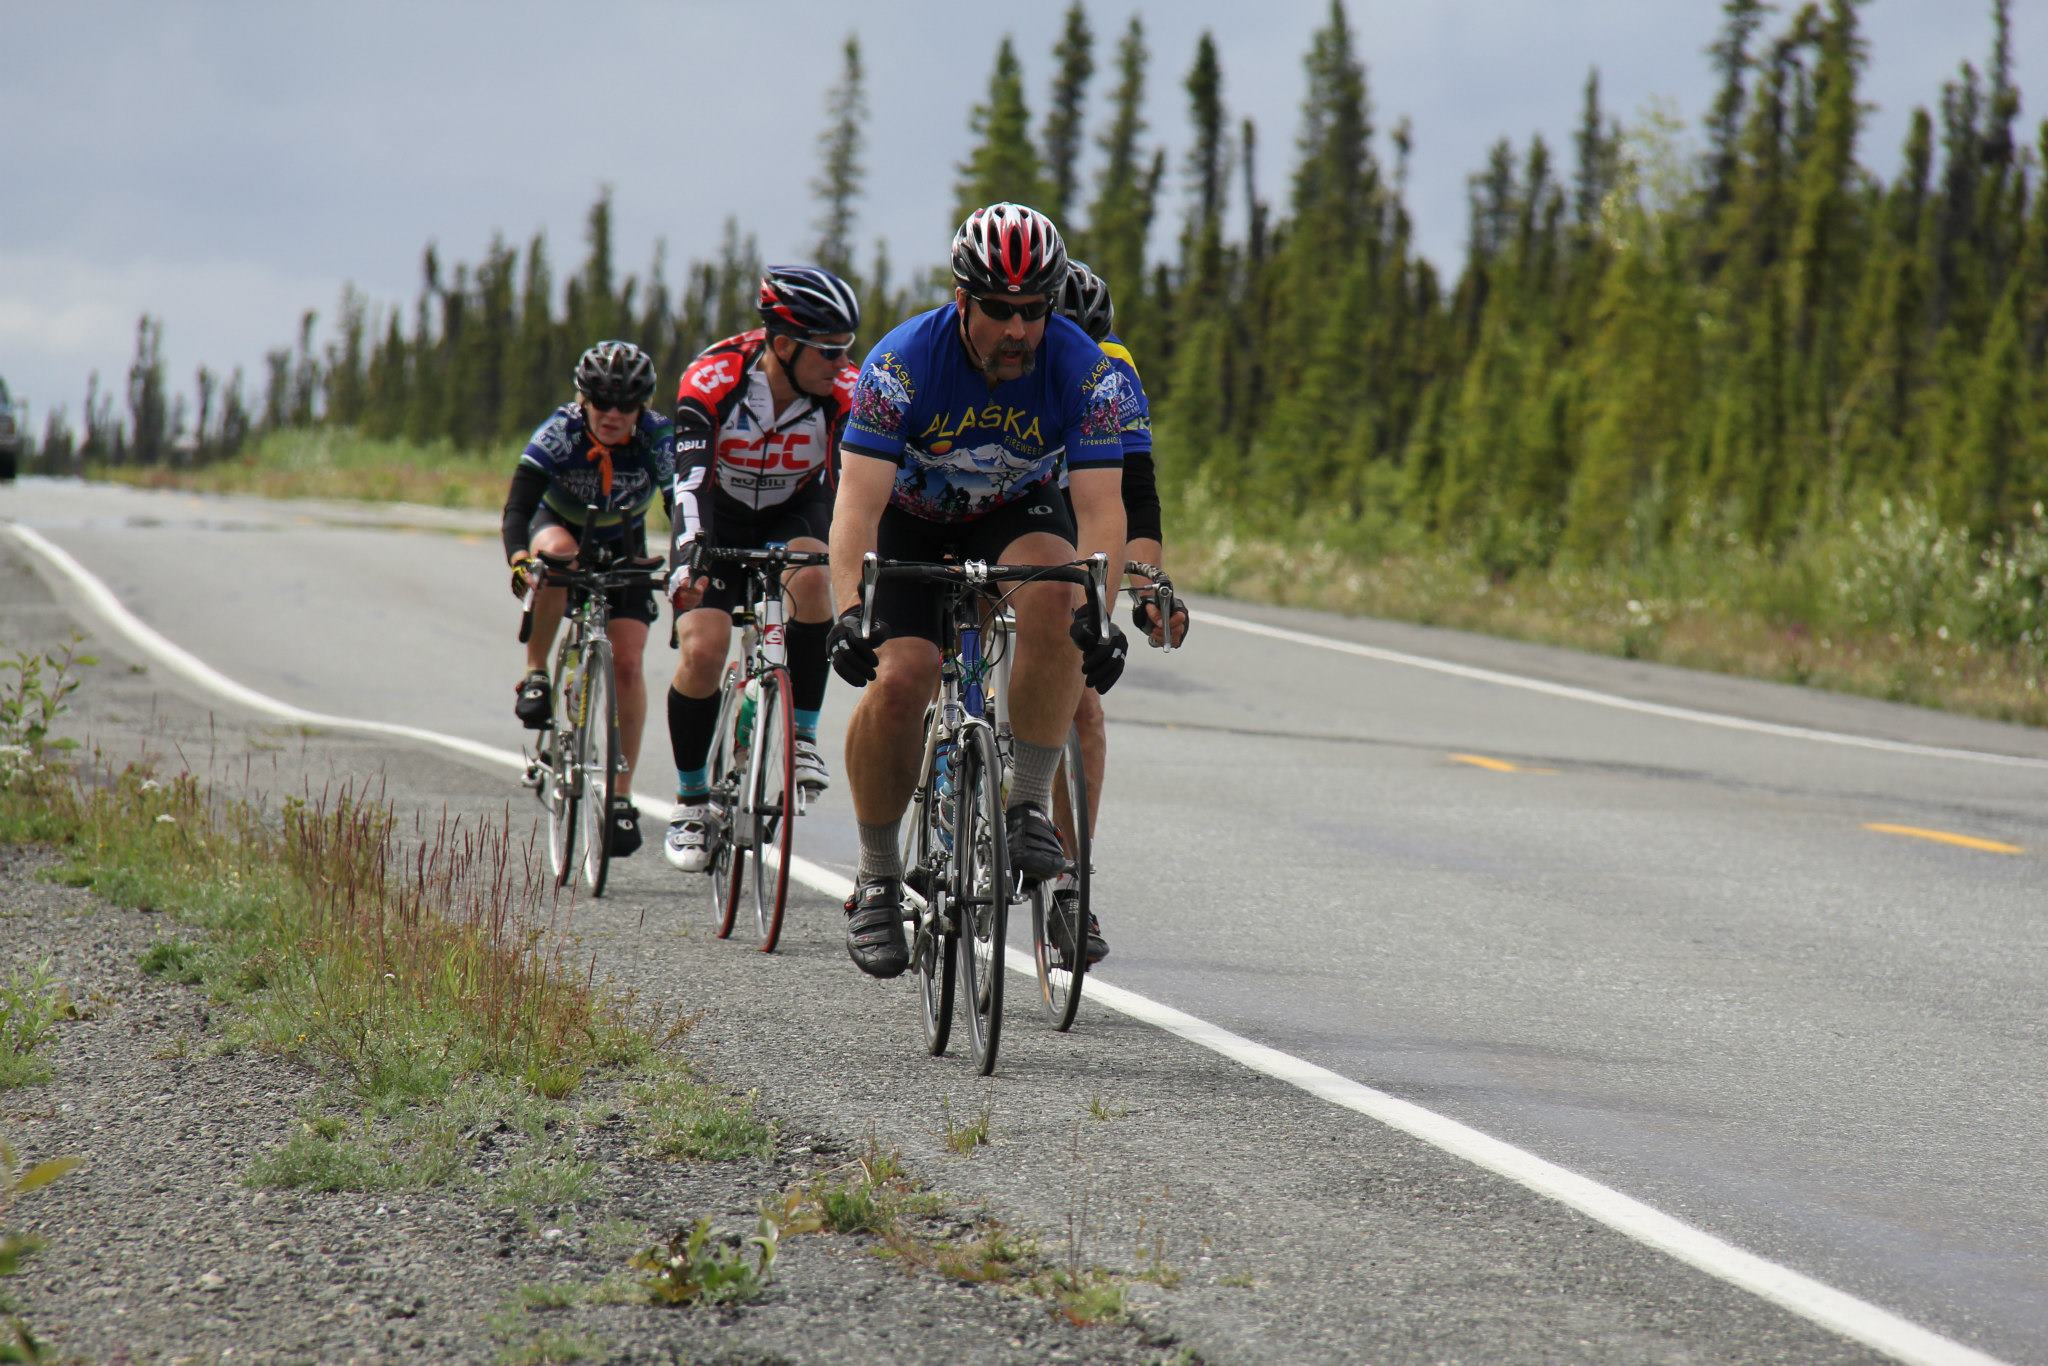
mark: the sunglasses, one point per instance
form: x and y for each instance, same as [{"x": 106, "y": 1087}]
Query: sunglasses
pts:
[
  {"x": 836, "y": 351},
  {"x": 1002, "y": 310},
  {"x": 600, "y": 406}
]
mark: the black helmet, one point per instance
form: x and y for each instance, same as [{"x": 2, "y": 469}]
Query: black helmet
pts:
[
  {"x": 1084, "y": 297},
  {"x": 803, "y": 301},
  {"x": 617, "y": 373},
  {"x": 1008, "y": 249}
]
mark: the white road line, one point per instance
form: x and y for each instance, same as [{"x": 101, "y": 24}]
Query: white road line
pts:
[
  {"x": 1810, "y": 1299},
  {"x": 1604, "y": 699}
]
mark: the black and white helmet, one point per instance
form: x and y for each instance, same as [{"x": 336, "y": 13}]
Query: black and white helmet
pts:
[
  {"x": 616, "y": 373},
  {"x": 1084, "y": 297},
  {"x": 1008, "y": 249},
  {"x": 803, "y": 301}
]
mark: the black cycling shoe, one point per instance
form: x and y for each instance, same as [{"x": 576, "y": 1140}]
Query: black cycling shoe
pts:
[
  {"x": 874, "y": 927},
  {"x": 534, "y": 708},
  {"x": 1064, "y": 904},
  {"x": 624, "y": 828},
  {"x": 1034, "y": 843}
]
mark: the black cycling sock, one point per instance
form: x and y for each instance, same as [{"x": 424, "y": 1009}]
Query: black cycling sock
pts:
[
  {"x": 807, "y": 667},
  {"x": 691, "y": 720}
]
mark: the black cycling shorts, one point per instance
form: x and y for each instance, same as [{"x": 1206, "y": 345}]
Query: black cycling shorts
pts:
[
  {"x": 807, "y": 514},
  {"x": 913, "y": 609},
  {"x": 628, "y": 539}
]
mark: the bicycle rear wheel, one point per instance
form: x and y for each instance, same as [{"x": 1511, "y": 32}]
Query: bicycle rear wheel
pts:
[
  {"x": 773, "y": 800},
  {"x": 559, "y": 791},
  {"x": 931, "y": 947},
  {"x": 726, "y": 868},
  {"x": 1059, "y": 943},
  {"x": 599, "y": 733},
  {"x": 981, "y": 878}
]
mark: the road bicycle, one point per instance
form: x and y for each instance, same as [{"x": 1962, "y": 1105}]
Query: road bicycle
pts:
[
  {"x": 753, "y": 751},
  {"x": 575, "y": 762},
  {"x": 958, "y": 882}
]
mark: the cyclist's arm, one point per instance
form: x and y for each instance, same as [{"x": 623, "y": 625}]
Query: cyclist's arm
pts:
[
  {"x": 864, "y": 484},
  {"x": 690, "y": 509},
  {"x": 529, "y": 485},
  {"x": 1098, "y": 513}
]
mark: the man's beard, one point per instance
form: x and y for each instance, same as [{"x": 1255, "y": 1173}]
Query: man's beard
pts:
[{"x": 1027, "y": 357}]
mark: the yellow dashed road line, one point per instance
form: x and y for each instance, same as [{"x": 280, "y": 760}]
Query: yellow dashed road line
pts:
[{"x": 1945, "y": 837}]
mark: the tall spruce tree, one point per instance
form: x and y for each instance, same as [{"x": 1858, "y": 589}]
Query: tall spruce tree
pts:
[
  {"x": 841, "y": 172},
  {"x": 1002, "y": 164},
  {"x": 1073, "y": 67},
  {"x": 1120, "y": 216}
]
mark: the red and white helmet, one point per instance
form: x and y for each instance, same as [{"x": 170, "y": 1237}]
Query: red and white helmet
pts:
[{"x": 1009, "y": 249}]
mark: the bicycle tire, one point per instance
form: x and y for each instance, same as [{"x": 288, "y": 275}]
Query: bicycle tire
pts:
[
  {"x": 725, "y": 869},
  {"x": 773, "y": 785},
  {"x": 559, "y": 794},
  {"x": 1061, "y": 961},
  {"x": 982, "y": 888},
  {"x": 599, "y": 730},
  {"x": 931, "y": 949}
]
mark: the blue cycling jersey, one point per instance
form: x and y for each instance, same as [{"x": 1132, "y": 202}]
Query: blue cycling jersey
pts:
[
  {"x": 620, "y": 483},
  {"x": 963, "y": 449},
  {"x": 1134, "y": 410}
]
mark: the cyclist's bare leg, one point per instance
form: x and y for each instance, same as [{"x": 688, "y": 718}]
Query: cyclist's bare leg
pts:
[
  {"x": 704, "y": 635},
  {"x": 549, "y": 603},
  {"x": 884, "y": 736},
  {"x": 1045, "y": 679},
  {"x": 810, "y": 590},
  {"x": 1088, "y": 722},
  {"x": 629, "y": 648}
]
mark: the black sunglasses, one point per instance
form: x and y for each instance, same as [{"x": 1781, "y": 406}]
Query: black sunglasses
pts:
[
  {"x": 839, "y": 352},
  {"x": 1002, "y": 310},
  {"x": 598, "y": 405}
]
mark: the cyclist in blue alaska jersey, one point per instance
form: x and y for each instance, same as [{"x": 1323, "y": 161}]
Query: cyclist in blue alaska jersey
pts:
[
  {"x": 1084, "y": 297},
  {"x": 604, "y": 450},
  {"x": 963, "y": 420}
]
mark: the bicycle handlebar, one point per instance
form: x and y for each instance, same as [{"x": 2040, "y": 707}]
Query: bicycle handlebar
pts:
[
  {"x": 1091, "y": 573},
  {"x": 1162, "y": 597},
  {"x": 771, "y": 557}
]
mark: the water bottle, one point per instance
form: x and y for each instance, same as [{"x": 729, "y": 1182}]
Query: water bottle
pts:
[
  {"x": 942, "y": 791},
  {"x": 744, "y": 732}
]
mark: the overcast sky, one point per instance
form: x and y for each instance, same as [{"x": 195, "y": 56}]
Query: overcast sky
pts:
[{"x": 227, "y": 164}]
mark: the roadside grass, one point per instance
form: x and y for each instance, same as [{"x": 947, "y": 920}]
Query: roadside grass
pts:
[
  {"x": 31, "y": 1004},
  {"x": 331, "y": 463},
  {"x": 420, "y": 972},
  {"x": 1889, "y": 603}
]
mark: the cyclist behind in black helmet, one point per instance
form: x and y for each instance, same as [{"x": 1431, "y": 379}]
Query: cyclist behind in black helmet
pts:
[
  {"x": 604, "y": 449},
  {"x": 758, "y": 418},
  {"x": 1084, "y": 297}
]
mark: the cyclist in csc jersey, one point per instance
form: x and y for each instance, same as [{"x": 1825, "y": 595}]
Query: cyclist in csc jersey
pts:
[
  {"x": 963, "y": 420},
  {"x": 1085, "y": 298},
  {"x": 606, "y": 450},
  {"x": 758, "y": 418}
]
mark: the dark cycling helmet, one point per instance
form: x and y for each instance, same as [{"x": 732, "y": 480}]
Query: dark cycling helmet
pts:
[
  {"x": 1009, "y": 249},
  {"x": 803, "y": 301},
  {"x": 617, "y": 373},
  {"x": 1084, "y": 297}
]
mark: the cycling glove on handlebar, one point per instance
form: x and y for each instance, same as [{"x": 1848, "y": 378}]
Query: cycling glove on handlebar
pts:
[
  {"x": 1102, "y": 657},
  {"x": 853, "y": 654}
]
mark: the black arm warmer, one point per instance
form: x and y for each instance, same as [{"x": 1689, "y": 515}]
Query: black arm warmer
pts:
[
  {"x": 528, "y": 485},
  {"x": 1141, "y": 498}
]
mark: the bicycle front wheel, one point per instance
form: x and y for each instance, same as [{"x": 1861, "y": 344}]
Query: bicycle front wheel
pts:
[
  {"x": 726, "y": 868},
  {"x": 598, "y": 734},
  {"x": 931, "y": 943},
  {"x": 1059, "y": 933},
  {"x": 981, "y": 880},
  {"x": 562, "y": 770},
  {"x": 773, "y": 799}
]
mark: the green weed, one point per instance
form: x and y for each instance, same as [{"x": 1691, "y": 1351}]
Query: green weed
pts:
[
  {"x": 701, "y": 1265},
  {"x": 964, "y": 1137},
  {"x": 679, "y": 1118},
  {"x": 31, "y": 1004}
]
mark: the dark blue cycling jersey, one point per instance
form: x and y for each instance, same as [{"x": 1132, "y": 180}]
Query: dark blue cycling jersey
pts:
[
  {"x": 1134, "y": 410},
  {"x": 620, "y": 483},
  {"x": 962, "y": 449}
]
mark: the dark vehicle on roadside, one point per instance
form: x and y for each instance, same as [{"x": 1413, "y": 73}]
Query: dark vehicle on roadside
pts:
[{"x": 10, "y": 435}]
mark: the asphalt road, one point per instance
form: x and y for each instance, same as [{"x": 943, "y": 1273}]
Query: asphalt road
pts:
[{"x": 1669, "y": 955}]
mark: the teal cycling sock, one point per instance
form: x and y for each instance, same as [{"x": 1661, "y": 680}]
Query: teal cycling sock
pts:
[
  {"x": 807, "y": 722},
  {"x": 693, "y": 784}
]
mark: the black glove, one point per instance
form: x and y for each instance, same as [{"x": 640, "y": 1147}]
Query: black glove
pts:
[
  {"x": 1102, "y": 656},
  {"x": 1145, "y": 616},
  {"x": 524, "y": 567},
  {"x": 853, "y": 654}
]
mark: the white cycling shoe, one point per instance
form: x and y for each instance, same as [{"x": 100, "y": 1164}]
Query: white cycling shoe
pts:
[
  {"x": 692, "y": 833},
  {"x": 811, "y": 773}
]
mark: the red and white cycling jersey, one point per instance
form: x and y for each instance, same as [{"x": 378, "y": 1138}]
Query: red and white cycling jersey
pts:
[{"x": 734, "y": 453}]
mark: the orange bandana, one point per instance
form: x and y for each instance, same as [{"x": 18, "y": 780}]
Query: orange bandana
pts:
[{"x": 603, "y": 455}]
